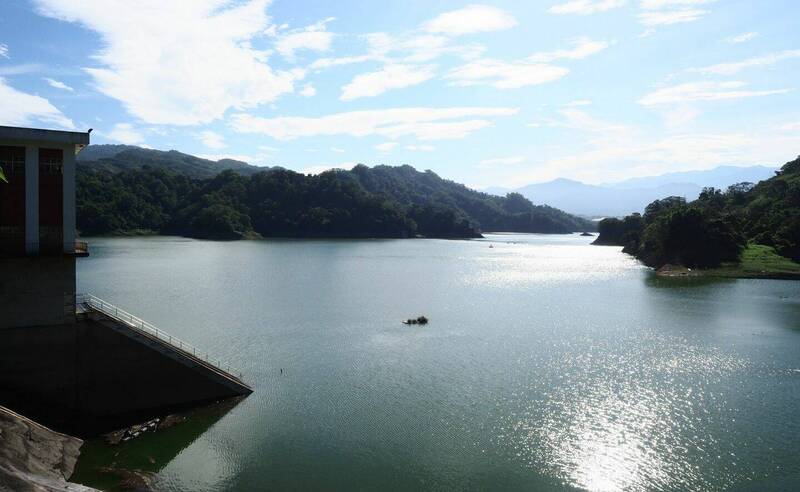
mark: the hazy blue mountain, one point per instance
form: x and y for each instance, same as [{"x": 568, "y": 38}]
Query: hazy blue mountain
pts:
[
  {"x": 116, "y": 158},
  {"x": 632, "y": 195},
  {"x": 719, "y": 177}
]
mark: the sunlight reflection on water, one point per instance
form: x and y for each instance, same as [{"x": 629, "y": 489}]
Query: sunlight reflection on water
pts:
[
  {"x": 607, "y": 421},
  {"x": 514, "y": 265}
]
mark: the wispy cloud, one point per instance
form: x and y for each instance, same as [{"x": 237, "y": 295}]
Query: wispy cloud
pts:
[
  {"x": 421, "y": 122},
  {"x": 469, "y": 20},
  {"x": 533, "y": 70},
  {"x": 703, "y": 91},
  {"x": 125, "y": 133},
  {"x": 586, "y": 7},
  {"x": 606, "y": 151},
  {"x": 389, "y": 77},
  {"x": 386, "y": 147},
  {"x": 20, "y": 69},
  {"x": 581, "y": 48},
  {"x": 736, "y": 67},
  {"x": 3, "y": 50},
  {"x": 505, "y": 75},
  {"x": 420, "y": 148},
  {"x": 667, "y": 12},
  {"x": 212, "y": 140},
  {"x": 22, "y": 109},
  {"x": 315, "y": 37},
  {"x": 308, "y": 90},
  {"x": 57, "y": 84},
  {"x": 742, "y": 38}
]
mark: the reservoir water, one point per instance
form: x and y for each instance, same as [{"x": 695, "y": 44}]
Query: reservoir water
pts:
[{"x": 548, "y": 364}]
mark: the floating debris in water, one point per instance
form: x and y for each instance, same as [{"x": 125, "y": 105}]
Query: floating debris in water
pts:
[{"x": 422, "y": 320}]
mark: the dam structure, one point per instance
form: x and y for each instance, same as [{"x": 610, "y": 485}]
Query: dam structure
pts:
[{"x": 75, "y": 362}]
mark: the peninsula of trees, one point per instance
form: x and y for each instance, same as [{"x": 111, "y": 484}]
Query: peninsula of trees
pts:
[
  {"x": 754, "y": 229},
  {"x": 173, "y": 193}
]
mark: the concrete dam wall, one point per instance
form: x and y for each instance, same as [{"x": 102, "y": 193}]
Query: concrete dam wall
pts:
[{"x": 99, "y": 374}]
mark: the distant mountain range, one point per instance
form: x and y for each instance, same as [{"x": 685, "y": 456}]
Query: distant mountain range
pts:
[{"x": 632, "y": 195}]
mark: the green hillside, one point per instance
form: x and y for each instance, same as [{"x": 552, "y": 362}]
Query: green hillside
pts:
[
  {"x": 378, "y": 202},
  {"x": 746, "y": 228}
]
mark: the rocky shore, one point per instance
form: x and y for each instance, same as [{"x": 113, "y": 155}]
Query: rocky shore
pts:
[{"x": 34, "y": 458}]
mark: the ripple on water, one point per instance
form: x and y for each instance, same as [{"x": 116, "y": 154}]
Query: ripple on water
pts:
[{"x": 630, "y": 416}]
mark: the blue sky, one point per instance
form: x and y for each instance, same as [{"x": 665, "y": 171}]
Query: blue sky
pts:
[{"x": 489, "y": 94}]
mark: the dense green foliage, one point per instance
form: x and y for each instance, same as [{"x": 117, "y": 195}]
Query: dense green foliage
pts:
[
  {"x": 118, "y": 158},
  {"x": 716, "y": 227},
  {"x": 379, "y": 202}
]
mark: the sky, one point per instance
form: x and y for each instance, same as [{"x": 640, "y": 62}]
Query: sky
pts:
[{"x": 496, "y": 93}]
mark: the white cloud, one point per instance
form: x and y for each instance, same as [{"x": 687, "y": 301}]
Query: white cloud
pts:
[
  {"x": 337, "y": 150},
  {"x": 212, "y": 140},
  {"x": 760, "y": 61},
  {"x": 703, "y": 91},
  {"x": 662, "y": 4},
  {"x": 501, "y": 161},
  {"x": 742, "y": 38},
  {"x": 386, "y": 147},
  {"x": 668, "y": 12},
  {"x": 669, "y": 17},
  {"x": 22, "y": 109},
  {"x": 324, "y": 63},
  {"x": 579, "y": 102},
  {"x": 582, "y": 48},
  {"x": 311, "y": 38},
  {"x": 181, "y": 63},
  {"x": 420, "y": 148},
  {"x": 308, "y": 91},
  {"x": 389, "y": 77},
  {"x": 125, "y": 133},
  {"x": 607, "y": 151},
  {"x": 534, "y": 70},
  {"x": 504, "y": 75},
  {"x": 469, "y": 20},
  {"x": 57, "y": 84},
  {"x": 586, "y": 7},
  {"x": 3, "y": 50},
  {"x": 20, "y": 69},
  {"x": 790, "y": 127},
  {"x": 424, "y": 123}
]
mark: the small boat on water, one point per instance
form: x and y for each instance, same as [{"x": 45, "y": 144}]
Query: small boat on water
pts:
[{"x": 422, "y": 320}]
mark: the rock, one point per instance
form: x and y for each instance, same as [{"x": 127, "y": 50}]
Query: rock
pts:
[{"x": 35, "y": 458}]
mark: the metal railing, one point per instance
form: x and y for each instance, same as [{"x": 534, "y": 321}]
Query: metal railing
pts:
[{"x": 127, "y": 318}]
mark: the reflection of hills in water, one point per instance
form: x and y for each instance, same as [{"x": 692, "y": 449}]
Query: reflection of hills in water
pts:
[{"x": 105, "y": 466}]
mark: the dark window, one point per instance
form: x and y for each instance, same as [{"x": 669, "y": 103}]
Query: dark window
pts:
[
  {"x": 51, "y": 161},
  {"x": 12, "y": 160}
]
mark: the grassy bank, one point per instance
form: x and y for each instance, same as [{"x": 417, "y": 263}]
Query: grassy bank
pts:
[{"x": 758, "y": 261}]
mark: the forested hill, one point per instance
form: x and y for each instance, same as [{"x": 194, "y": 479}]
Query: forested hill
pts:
[
  {"x": 513, "y": 212},
  {"x": 116, "y": 158},
  {"x": 717, "y": 227},
  {"x": 379, "y": 202}
]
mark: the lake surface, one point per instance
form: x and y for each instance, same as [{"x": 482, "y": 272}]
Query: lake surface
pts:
[{"x": 548, "y": 364}]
